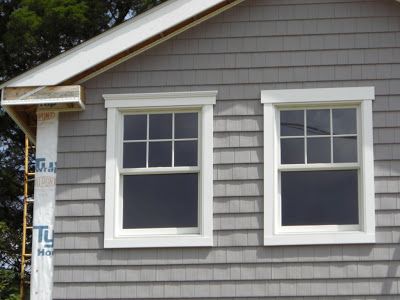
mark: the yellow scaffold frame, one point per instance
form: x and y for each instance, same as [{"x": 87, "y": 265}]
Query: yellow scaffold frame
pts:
[{"x": 28, "y": 176}]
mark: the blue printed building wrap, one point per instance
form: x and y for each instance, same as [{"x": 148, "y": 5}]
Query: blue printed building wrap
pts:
[{"x": 43, "y": 211}]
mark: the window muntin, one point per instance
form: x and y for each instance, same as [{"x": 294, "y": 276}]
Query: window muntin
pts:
[
  {"x": 318, "y": 147},
  {"x": 318, "y": 135},
  {"x": 155, "y": 137},
  {"x": 165, "y": 174}
]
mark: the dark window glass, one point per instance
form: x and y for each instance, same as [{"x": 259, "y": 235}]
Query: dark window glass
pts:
[
  {"x": 292, "y": 151},
  {"x": 135, "y": 127},
  {"x": 318, "y": 122},
  {"x": 160, "y": 201},
  {"x": 318, "y": 150},
  {"x": 292, "y": 122},
  {"x": 319, "y": 198},
  {"x": 344, "y": 121},
  {"x": 186, "y": 125},
  {"x": 160, "y": 154},
  {"x": 344, "y": 149},
  {"x": 134, "y": 155},
  {"x": 160, "y": 126},
  {"x": 185, "y": 153}
]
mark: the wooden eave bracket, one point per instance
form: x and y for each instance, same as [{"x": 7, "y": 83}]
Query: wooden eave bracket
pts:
[{"x": 21, "y": 103}]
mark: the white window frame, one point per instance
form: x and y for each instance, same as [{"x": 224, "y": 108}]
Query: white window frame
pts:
[
  {"x": 146, "y": 103},
  {"x": 353, "y": 97}
]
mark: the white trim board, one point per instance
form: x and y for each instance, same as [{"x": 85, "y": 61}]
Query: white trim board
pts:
[
  {"x": 112, "y": 42},
  {"x": 160, "y": 99},
  {"x": 318, "y": 95}
]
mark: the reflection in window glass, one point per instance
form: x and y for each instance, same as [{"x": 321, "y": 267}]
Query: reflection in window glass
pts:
[
  {"x": 318, "y": 122},
  {"x": 186, "y": 125},
  {"x": 135, "y": 127},
  {"x": 344, "y": 149},
  {"x": 160, "y": 126},
  {"x": 292, "y": 122},
  {"x": 160, "y": 201},
  {"x": 319, "y": 198},
  {"x": 318, "y": 150},
  {"x": 185, "y": 153},
  {"x": 160, "y": 154},
  {"x": 344, "y": 121},
  {"x": 292, "y": 151},
  {"x": 134, "y": 155}
]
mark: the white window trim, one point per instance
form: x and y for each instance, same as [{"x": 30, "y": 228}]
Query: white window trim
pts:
[
  {"x": 272, "y": 101},
  {"x": 116, "y": 105}
]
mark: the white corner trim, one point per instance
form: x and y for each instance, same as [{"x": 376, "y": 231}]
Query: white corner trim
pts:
[
  {"x": 318, "y": 95},
  {"x": 112, "y": 42},
  {"x": 197, "y": 98}
]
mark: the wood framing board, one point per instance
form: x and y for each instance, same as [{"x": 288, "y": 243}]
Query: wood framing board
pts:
[{"x": 69, "y": 97}]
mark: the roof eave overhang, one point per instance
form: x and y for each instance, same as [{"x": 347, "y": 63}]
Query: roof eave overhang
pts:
[
  {"x": 157, "y": 24},
  {"x": 94, "y": 57}
]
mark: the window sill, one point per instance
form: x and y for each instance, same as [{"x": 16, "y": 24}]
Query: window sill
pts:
[
  {"x": 323, "y": 238},
  {"x": 155, "y": 241}
]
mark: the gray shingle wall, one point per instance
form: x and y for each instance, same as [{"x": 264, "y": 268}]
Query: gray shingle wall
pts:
[{"x": 261, "y": 44}]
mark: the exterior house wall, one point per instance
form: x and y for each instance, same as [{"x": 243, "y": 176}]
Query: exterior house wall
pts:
[{"x": 260, "y": 44}]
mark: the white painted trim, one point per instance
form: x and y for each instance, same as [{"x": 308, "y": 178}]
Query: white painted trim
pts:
[
  {"x": 113, "y": 42},
  {"x": 114, "y": 236},
  {"x": 197, "y": 98},
  {"x": 318, "y": 95},
  {"x": 112, "y": 177},
  {"x": 41, "y": 101},
  {"x": 270, "y": 171},
  {"x": 367, "y": 160},
  {"x": 158, "y": 241},
  {"x": 313, "y": 235},
  {"x": 320, "y": 238}
]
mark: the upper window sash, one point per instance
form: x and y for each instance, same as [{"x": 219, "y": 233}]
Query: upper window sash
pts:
[
  {"x": 163, "y": 169},
  {"x": 306, "y": 137}
]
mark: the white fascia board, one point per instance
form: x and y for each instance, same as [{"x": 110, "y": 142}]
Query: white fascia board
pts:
[
  {"x": 40, "y": 101},
  {"x": 112, "y": 42},
  {"x": 318, "y": 95},
  {"x": 196, "y": 98}
]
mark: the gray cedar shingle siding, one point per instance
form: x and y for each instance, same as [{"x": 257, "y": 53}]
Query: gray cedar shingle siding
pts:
[{"x": 261, "y": 44}]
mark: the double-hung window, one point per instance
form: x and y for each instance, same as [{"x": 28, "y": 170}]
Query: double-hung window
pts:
[
  {"x": 159, "y": 170},
  {"x": 318, "y": 166}
]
